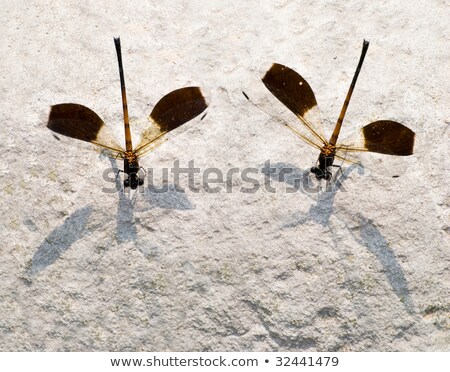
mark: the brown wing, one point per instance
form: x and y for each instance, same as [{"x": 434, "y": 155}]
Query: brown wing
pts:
[
  {"x": 80, "y": 122},
  {"x": 294, "y": 92},
  {"x": 382, "y": 136},
  {"x": 388, "y": 137},
  {"x": 172, "y": 111}
]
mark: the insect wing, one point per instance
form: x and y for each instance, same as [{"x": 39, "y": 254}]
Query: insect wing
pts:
[
  {"x": 295, "y": 93},
  {"x": 79, "y": 122},
  {"x": 172, "y": 111},
  {"x": 388, "y": 137},
  {"x": 383, "y": 137}
]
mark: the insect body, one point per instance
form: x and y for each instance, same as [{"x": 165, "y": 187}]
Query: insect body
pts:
[
  {"x": 173, "y": 110},
  {"x": 383, "y": 136}
]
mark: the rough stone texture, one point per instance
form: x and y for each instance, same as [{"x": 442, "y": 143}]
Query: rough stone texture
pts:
[{"x": 361, "y": 268}]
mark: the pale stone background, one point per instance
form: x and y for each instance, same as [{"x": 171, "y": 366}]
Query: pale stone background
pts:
[{"x": 362, "y": 268}]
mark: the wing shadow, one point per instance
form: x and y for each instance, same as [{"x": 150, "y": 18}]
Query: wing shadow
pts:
[
  {"x": 299, "y": 180},
  {"x": 60, "y": 240},
  {"x": 370, "y": 236},
  {"x": 169, "y": 197}
]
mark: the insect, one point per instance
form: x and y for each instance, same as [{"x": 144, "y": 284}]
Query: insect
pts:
[
  {"x": 382, "y": 136},
  {"x": 173, "y": 110}
]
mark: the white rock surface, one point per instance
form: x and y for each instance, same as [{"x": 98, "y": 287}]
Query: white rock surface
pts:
[{"x": 362, "y": 268}]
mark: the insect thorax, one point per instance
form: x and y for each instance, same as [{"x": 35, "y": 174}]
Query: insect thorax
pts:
[
  {"x": 328, "y": 150},
  {"x": 131, "y": 157}
]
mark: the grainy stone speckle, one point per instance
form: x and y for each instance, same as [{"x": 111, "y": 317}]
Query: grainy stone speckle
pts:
[{"x": 363, "y": 268}]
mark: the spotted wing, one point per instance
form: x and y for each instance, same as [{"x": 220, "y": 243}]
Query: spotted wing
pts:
[
  {"x": 172, "y": 111},
  {"x": 79, "y": 122},
  {"x": 295, "y": 93}
]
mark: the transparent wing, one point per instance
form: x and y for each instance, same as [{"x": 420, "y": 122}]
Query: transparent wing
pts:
[
  {"x": 79, "y": 122},
  {"x": 347, "y": 157},
  {"x": 172, "y": 111},
  {"x": 150, "y": 146}
]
